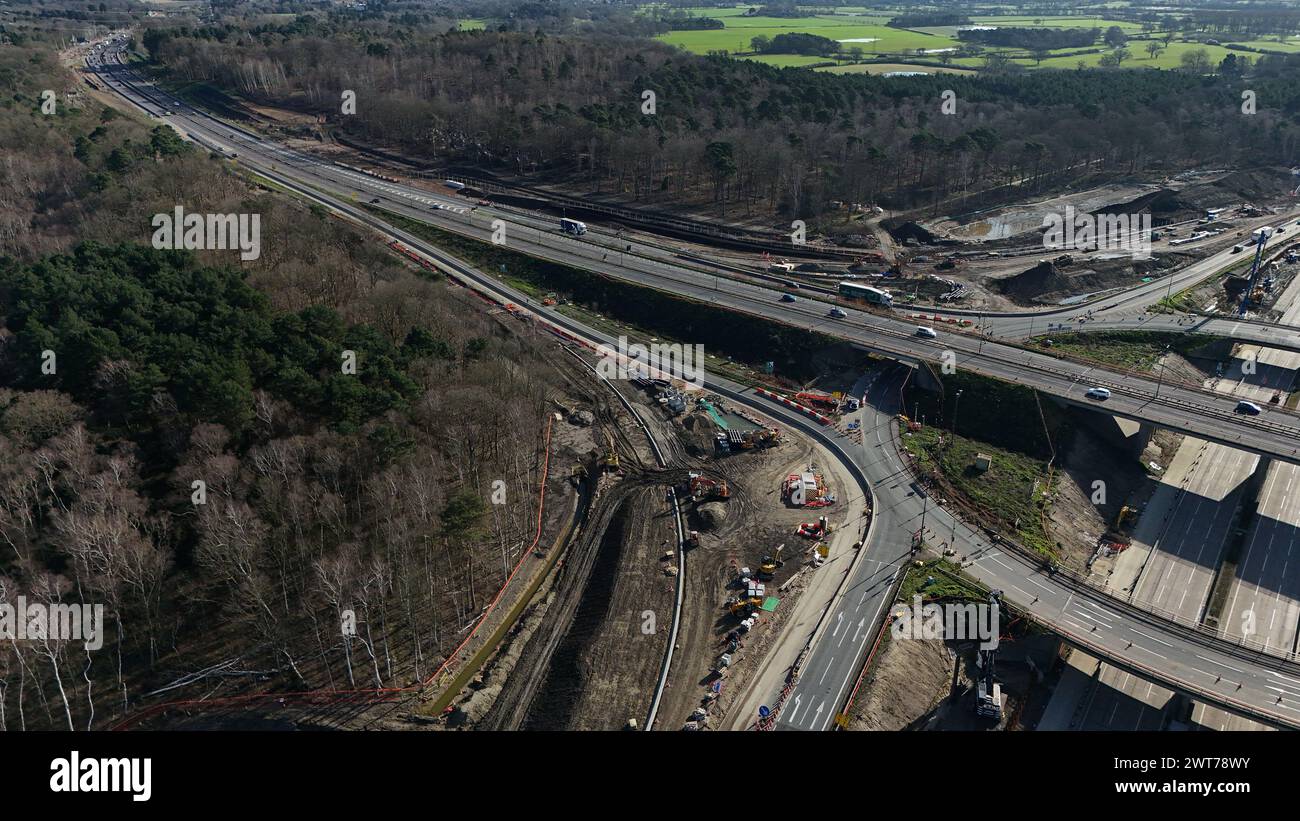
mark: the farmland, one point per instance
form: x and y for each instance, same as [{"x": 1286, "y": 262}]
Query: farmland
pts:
[
  {"x": 890, "y": 68},
  {"x": 869, "y": 33},
  {"x": 851, "y": 30}
]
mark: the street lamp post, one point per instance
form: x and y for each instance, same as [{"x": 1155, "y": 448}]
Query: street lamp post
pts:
[
  {"x": 952, "y": 438},
  {"x": 1161, "y": 380},
  {"x": 925, "y": 504}
]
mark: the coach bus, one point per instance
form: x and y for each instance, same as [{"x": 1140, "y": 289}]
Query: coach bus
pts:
[{"x": 852, "y": 290}]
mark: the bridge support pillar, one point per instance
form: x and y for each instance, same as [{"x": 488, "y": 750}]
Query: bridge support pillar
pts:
[
  {"x": 925, "y": 380},
  {"x": 1137, "y": 435}
]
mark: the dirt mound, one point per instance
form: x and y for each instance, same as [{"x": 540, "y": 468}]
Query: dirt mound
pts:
[
  {"x": 907, "y": 688},
  {"x": 698, "y": 433},
  {"x": 712, "y": 515},
  {"x": 1046, "y": 282},
  {"x": 1043, "y": 278},
  {"x": 1165, "y": 203},
  {"x": 1258, "y": 185},
  {"x": 903, "y": 231}
]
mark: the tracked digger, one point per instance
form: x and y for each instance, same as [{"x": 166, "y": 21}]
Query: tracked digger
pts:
[
  {"x": 610, "y": 459},
  {"x": 703, "y": 488},
  {"x": 768, "y": 565}
]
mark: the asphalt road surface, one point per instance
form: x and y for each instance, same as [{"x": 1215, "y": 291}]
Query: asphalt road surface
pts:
[
  {"x": 1185, "y": 408},
  {"x": 1216, "y": 671}
]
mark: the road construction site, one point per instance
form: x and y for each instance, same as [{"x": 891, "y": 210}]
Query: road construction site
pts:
[
  {"x": 588, "y": 650},
  {"x": 991, "y": 565},
  {"x": 992, "y": 259}
]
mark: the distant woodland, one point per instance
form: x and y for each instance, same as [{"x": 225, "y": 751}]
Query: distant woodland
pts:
[{"x": 731, "y": 133}]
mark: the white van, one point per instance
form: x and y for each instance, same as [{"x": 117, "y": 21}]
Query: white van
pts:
[{"x": 928, "y": 333}]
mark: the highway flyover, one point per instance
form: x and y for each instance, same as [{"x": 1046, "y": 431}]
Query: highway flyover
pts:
[
  {"x": 1185, "y": 408},
  {"x": 1209, "y": 668}
]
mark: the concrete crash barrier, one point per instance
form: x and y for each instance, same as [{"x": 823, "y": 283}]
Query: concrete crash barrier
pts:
[{"x": 790, "y": 403}]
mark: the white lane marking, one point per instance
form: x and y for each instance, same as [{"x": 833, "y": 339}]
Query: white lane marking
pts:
[
  {"x": 1099, "y": 609},
  {"x": 1220, "y": 664},
  {"x": 827, "y": 670},
  {"x": 1152, "y": 652},
  {"x": 994, "y": 557},
  {"x": 1153, "y": 638},
  {"x": 1090, "y": 618},
  {"x": 1032, "y": 580}
]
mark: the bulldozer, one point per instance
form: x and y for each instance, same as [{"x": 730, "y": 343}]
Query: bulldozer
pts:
[{"x": 743, "y": 606}]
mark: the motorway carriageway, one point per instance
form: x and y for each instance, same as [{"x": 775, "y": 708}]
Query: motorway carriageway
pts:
[
  {"x": 1184, "y": 408},
  {"x": 1212, "y": 670}
]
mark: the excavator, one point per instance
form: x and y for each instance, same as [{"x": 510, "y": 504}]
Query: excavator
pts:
[
  {"x": 768, "y": 565},
  {"x": 1118, "y": 533},
  {"x": 577, "y": 474},
  {"x": 610, "y": 460},
  {"x": 743, "y": 606},
  {"x": 702, "y": 487}
]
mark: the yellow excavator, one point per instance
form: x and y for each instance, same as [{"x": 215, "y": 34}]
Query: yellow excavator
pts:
[
  {"x": 767, "y": 567},
  {"x": 610, "y": 460},
  {"x": 1127, "y": 516}
]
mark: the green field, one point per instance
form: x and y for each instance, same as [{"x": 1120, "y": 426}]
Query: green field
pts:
[
  {"x": 1038, "y": 22},
  {"x": 924, "y": 44},
  {"x": 736, "y": 36},
  {"x": 735, "y": 16},
  {"x": 886, "y": 68},
  {"x": 790, "y": 60},
  {"x": 1291, "y": 46},
  {"x": 1171, "y": 57},
  {"x": 1064, "y": 22}
]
